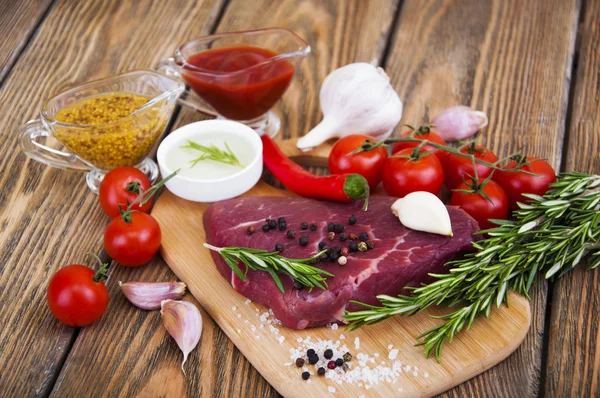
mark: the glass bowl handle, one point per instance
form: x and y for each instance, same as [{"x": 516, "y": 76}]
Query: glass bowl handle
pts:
[
  {"x": 28, "y": 140},
  {"x": 188, "y": 98}
]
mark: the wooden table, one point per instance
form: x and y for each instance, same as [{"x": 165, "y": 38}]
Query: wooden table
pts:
[{"x": 532, "y": 66}]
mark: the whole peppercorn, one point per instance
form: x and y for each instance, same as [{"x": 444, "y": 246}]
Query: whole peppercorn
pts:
[
  {"x": 343, "y": 236},
  {"x": 337, "y": 249},
  {"x": 303, "y": 226},
  {"x": 331, "y": 235},
  {"x": 290, "y": 234},
  {"x": 278, "y": 247},
  {"x": 250, "y": 230},
  {"x": 310, "y": 352},
  {"x": 305, "y": 375},
  {"x": 313, "y": 227},
  {"x": 352, "y": 247},
  {"x": 347, "y": 357},
  {"x": 334, "y": 256},
  {"x": 330, "y": 227},
  {"x": 321, "y": 371},
  {"x": 323, "y": 246},
  {"x": 363, "y": 236},
  {"x": 352, "y": 220},
  {"x": 266, "y": 228},
  {"x": 331, "y": 364},
  {"x": 362, "y": 247},
  {"x": 297, "y": 285},
  {"x": 370, "y": 244},
  {"x": 328, "y": 354},
  {"x": 342, "y": 260},
  {"x": 299, "y": 362},
  {"x": 352, "y": 237},
  {"x": 344, "y": 251},
  {"x": 339, "y": 362},
  {"x": 345, "y": 367},
  {"x": 282, "y": 226},
  {"x": 272, "y": 224},
  {"x": 312, "y": 359},
  {"x": 303, "y": 241},
  {"x": 281, "y": 220},
  {"x": 339, "y": 228}
]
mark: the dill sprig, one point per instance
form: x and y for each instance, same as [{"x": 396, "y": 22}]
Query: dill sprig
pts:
[
  {"x": 550, "y": 234},
  {"x": 213, "y": 152},
  {"x": 272, "y": 262}
]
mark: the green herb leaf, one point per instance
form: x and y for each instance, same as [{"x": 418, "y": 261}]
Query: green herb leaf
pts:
[{"x": 213, "y": 152}]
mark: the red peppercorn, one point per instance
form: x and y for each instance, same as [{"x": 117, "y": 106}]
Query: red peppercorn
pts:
[
  {"x": 331, "y": 364},
  {"x": 344, "y": 251}
]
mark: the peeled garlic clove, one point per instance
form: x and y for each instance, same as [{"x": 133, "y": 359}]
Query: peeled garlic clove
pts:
[
  {"x": 148, "y": 296},
  {"x": 423, "y": 211},
  {"x": 184, "y": 323},
  {"x": 459, "y": 122}
]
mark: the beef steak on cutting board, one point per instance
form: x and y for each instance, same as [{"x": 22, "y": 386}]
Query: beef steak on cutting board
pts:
[{"x": 401, "y": 257}]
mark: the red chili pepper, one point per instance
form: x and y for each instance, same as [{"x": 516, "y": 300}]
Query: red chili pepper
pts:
[{"x": 338, "y": 188}]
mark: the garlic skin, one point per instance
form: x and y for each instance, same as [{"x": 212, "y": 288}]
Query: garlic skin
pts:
[
  {"x": 355, "y": 99},
  {"x": 148, "y": 295},
  {"x": 423, "y": 211},
  {"x": 184, "y": 323},
  {"x": 459, "y": 122}
]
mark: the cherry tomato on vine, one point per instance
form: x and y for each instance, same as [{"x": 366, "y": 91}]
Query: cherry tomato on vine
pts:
[
  {"x": 120, "y": 186},
  {"x": 132, "y": 239},
  {"x": 456, "y": 167},
  {"x": 515, "y": 184},
  {"x": 368, "y": 164},
  {"x": 482, "y": 202},
  {"x": 77, "y": 295},
  {"x": 421, "y": 133},
  {"x": 405, "y": 173}
]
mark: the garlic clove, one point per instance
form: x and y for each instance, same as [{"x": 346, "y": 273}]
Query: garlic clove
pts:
[
  {"x": 423, "y": 211},
  {"x": 184, "y": 323},
  {"x": 459, "y": 122},
  {"x": 148, "y": 295}
]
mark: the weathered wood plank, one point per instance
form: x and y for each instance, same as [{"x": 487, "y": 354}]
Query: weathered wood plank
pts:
[
  {"x": 573, "y": 365},
  {"x": 18, "y": 20},
  {"x": 48, "y": 218},
  {"x": 141, "y": 358},
  {"x": 511, "y": 59}
]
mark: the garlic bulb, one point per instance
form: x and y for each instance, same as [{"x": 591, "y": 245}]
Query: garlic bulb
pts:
[
  {"x": 423, "y": 211},
  {"x": 148, "y": 295},
  {"x": 459, "y": 122},
  {"x": 184, "y": 323},
  {"x": 355, "y": 99}
]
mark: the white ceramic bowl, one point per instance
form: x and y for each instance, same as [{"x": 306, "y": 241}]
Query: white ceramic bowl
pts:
[{"x": 212, "y": 190}]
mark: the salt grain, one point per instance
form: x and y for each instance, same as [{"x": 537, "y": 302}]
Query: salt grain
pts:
[
  {"x": 334, "y": 326},
  {"x": 234, "y": 308},
  {"x": 280, "y": 339},
  {"x": 426, "y": 375},
  {"x": 390, "y": 346},
  {"x": 247, "y": 301},
  {"x": 331, "y": 389},
  {"x": 393, "y": 354},
  {"x": 287, "y": 364},
  {"x": 342, "y": 337},
  {"x": 357, "y": 343},
  {"x": 239, "y": 315}
]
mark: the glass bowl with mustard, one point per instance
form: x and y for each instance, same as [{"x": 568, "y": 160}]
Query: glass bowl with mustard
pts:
[{"x": 104, "y": 124}]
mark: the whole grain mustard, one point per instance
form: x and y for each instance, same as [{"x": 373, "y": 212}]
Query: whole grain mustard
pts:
[{"x": 104, "y": 131}]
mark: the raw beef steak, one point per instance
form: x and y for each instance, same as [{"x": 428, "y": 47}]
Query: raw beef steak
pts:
[{"x": 401, "y": 257}]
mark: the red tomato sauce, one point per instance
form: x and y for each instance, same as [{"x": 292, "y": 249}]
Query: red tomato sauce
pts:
[{"x": 244, "y": 95}]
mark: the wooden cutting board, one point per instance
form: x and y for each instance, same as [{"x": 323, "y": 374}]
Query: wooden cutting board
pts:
[{"x": 487, "y": 343}]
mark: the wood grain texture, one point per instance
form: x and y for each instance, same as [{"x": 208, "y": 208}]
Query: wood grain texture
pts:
[
  {"x": 48, "y": 218},
  {"x": 18, "y": 20},
  {"x": 573, "y": 365},
  {"x": 511, "y": 59}
]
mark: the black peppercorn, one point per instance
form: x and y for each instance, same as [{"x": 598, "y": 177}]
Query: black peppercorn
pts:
[
  {"x": 352, "y": 247},
  {"x": 272, "y": 224},
  {"x": 343, "y": 236},
  {"x": 321, "y": 371},
  {"x": 303, "y": 241},
  {"x": 334, "y": 256},
  {"x": 322, "y": 246},
  {"x": 281, "y": 220},
  {"x": 328, "y": 354},
  {"x": 266, "y": 228},
  {"x": 337, "y": 249},
  {"x": 313, "y": 227},
  {"x": 339, "y": 228},
  {"x": 310, "y": 352},
  {"x": 330, "y": 227},
  {"x": 297, "y": 285},
  {"x": 363, "y": 236},
  {"x": 312, "y": 359},
  {"x": 282, "y": 226},
  {"x": 290, "y": 234},
  {"x": 305, "y": 375},
  {"x": 278, "y": 247},
  {"x": 339, "y": 362},
  {"x": 370, "y": 245},
  {"x": 299, "y": 362},
  {"x": 250, "y": 230},
  {"x": 303, "y": 226},
  {"x": 352, "y": 220}
]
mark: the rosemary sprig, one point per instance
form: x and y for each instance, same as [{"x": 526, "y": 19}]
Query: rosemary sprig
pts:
[
  {"x": 271, "y": 262},
  {"x": 213, "y": 152},
  {"x": 550, "y": 234}
]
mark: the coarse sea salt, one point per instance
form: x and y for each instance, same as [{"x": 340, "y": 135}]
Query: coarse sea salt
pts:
[
  {"x": 331, "y": 389},
  {"x": 248, "y": 301},
  {"x": 357, "y": 343},
  {"x": 334, "y": 326},
  {"x": 234, "y": 308},
  {"x": 393, "y": 354}
]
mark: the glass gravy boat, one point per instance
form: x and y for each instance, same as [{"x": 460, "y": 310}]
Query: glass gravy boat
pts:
[
  {"x": 238, "y": 75},
  {"x": 100, "y": 147}
]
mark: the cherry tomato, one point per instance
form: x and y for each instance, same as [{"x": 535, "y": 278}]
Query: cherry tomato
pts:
[
  {"x": 368, "y": 164},
  {"x": 402, "y": 175},
  {"x": 120, "y": 186},
  {"x": 478, "y": 207},
  {"x": 77, "y": 295},
  {"x": 456, "y": 167},
  {"x": 422, "y": 133},
  {"x": 515, "y": 184},
  {"x": 132, "y": 242}
]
